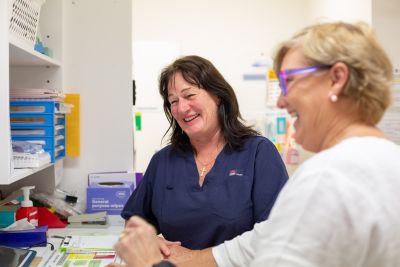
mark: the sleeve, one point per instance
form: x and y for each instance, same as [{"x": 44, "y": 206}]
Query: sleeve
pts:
[
  {"x": 270, "y": 176},
  {"x": 297, "y": 232},
  {"x": 311, "y": 224},
  {"x": 140, "y": 202},
  {"x": 239, "y": 251}
]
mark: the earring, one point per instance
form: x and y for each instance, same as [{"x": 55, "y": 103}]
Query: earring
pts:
[{"x": 333, "y": 98}]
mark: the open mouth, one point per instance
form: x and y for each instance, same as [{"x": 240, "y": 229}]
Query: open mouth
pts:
[
  {"x": 295, "y": 117},
  {"x": 293, "y": 114},
  {"x": 189, "y": 119}
]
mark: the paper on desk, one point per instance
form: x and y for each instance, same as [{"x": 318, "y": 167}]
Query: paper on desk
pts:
[
  {"x": 83, "y": 244},
  {"x": 85, "y": 251},
  {"x": 98, "y": 259}
]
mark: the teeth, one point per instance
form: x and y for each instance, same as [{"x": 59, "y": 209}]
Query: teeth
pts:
[
  {"x": 294, "y": 114},
  {"x": 187, "y": 119}
]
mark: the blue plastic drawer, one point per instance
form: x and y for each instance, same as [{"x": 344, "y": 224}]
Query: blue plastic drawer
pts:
[
  {"x": 59, "y": 140},
  {"x": 59, "y": 152},
  {"x": 38, "y": 120},
  {"x": 59, "y": 119},
  {"x": 46, "y": 142},
  {"x": 32, "y": 106},
  {"x": 31, "y": 119},
  {"x": 33, "y": 131}
]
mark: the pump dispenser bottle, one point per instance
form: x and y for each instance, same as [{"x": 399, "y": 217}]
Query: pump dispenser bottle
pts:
[{"x": 27, "y": 210}]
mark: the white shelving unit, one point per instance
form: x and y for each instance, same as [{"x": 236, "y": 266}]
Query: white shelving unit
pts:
[
  {"x": 84, "y": 62},
  {"x": 22, "y": 55},
  {"x": 26, "y": 68}
]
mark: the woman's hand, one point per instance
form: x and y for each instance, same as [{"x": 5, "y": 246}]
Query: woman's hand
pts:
[
  {"x": 138, "y": 245},
  {"x": 165, "y": 246},
  {"x": 181, "y": 254}
]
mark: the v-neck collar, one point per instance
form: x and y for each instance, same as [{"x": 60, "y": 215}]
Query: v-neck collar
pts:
[{"x": 193, "y": 180}]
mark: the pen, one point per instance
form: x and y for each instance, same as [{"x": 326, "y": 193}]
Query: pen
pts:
[{"x": 89, "y": 251}]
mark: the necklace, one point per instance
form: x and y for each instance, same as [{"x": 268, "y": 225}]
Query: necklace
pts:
[{"x": 204, "y": 165}]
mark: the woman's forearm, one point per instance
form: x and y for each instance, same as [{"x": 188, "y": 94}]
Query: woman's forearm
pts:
[{"x": 199, "y": 258}]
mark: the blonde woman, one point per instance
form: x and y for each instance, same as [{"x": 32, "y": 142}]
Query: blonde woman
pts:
[{"x": 341, "y": 207}]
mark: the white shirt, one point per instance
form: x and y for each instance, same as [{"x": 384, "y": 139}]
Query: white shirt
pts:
[{"x": 340, "y": 208}]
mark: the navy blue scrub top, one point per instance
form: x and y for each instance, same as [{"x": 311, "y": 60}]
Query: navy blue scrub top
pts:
[{"x": 238, "y": 192}]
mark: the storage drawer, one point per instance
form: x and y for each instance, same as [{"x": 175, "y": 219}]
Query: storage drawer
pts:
[{"x": 38, "y": 121}]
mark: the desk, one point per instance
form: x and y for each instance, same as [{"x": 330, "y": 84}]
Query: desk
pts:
[{"x": 44, "y": 254}]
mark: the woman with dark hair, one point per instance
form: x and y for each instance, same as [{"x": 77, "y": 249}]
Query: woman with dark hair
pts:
[
  {"x": 341, "y": 207},
  {"x": 217, "y": 177}
]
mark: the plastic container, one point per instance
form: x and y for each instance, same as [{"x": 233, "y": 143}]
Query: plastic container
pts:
[
  {"x": 24, "y": 21},
  {"x": 39, "y": 121},
  {"x": 27, "y": 210},
  {"x": 25, "y": 160}
]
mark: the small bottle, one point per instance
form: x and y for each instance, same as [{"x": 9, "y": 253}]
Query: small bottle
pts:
[{"x": 27, "y": 210}]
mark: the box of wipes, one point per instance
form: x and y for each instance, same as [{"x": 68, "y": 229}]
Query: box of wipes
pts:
[{"x": 109, "y": 191}]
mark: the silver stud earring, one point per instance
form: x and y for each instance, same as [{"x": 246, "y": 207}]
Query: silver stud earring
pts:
[{"x": 333, "y": 98}]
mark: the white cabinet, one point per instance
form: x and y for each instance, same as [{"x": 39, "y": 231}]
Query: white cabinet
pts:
[
  {"x": 26, "y": 68},
  {"x": 92, "y": 43}
]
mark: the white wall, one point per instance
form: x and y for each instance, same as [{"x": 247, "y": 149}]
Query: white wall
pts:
[
  {"x": 386, "y": 23},
  {"x": 346, "y": 10},
  {"x": 4, "y": 92},
  {"x": 97, "y": 64},
  {"x": 231, "y": 34}
]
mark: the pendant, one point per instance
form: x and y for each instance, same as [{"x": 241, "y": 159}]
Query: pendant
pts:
[{"x": 203, "y": 170}]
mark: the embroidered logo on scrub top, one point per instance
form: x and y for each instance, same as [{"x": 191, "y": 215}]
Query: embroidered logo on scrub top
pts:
[{"x": 235, "y": 172}]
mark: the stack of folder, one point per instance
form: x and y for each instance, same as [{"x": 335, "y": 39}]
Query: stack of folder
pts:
[
  {"x": 36, "y": 93},
  {"x": 95, "y": 220}
]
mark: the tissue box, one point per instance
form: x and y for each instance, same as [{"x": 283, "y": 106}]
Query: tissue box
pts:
[
  {"x": 122, "y": 176},
  {"x": 108, "y": 196}
]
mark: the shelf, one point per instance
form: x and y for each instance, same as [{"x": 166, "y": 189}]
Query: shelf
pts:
[
  {"x": 22, "y": 173},
  {"x": 23, "y": 67},
  {"x": 23, "y": 55}
]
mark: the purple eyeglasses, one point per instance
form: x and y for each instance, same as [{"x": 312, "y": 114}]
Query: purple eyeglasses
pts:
[{"x": 284, "y": 74}]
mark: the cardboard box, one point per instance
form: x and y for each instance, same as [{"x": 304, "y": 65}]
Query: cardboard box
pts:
[
  {"x": 122, "y": 176},
  {"x": 108, "y": 192}
]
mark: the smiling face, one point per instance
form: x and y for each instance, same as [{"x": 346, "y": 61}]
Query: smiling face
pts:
[
  {"x": 194, "y": 109},
  {"x": 307, "y": 100}
]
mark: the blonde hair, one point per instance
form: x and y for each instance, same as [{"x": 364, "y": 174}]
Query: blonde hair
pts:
[{"x": 370, "y": 70}]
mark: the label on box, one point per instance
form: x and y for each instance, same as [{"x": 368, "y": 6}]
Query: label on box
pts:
[{"x": 108, "y": 196}]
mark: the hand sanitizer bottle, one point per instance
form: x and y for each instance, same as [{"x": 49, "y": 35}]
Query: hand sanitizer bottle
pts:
[{"x": 27, "y": 210}]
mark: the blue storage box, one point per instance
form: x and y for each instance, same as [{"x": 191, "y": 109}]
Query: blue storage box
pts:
[
  {"x": 39, "y": 122},
  {"x": 24, "y": 238}
]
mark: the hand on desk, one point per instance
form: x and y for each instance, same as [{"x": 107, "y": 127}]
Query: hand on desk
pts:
[{"x": 138, "y": 244}]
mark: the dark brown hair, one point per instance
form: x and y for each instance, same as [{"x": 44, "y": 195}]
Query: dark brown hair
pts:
[{"x": 202, "y": 73}]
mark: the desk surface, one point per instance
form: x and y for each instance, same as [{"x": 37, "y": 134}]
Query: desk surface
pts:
[{"x": 44, "y": 254}]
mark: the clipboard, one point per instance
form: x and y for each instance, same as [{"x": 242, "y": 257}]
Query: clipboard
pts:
[{"x": 16, "y": 257}]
